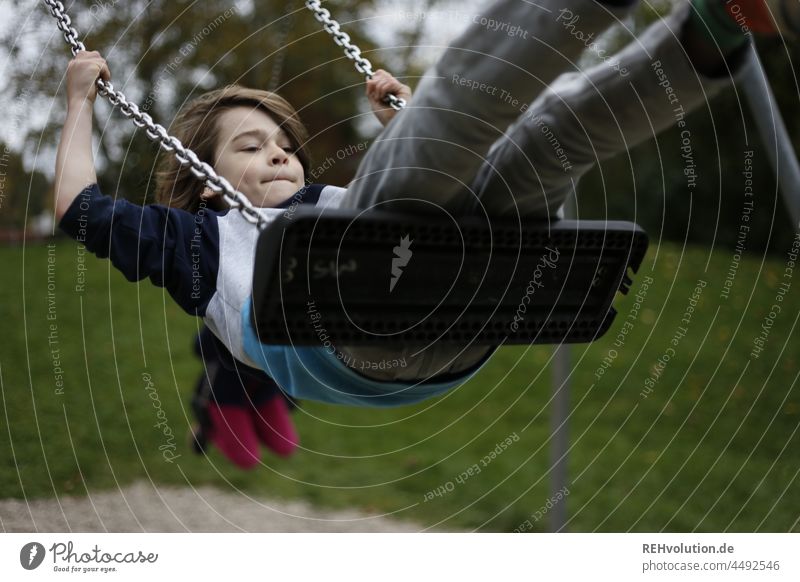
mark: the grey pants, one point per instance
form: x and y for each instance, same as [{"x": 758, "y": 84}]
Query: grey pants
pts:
[{"x": 496, "y": 127}]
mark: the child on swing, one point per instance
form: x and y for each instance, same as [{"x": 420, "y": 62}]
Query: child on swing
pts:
[
  {"x": 244, "y": 406},
  {"x": 450, "y": 137},
  {"x": 237, "y": 406}
]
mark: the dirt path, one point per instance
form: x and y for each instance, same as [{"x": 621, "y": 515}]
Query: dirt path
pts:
[{"x": 143, "y": 508}]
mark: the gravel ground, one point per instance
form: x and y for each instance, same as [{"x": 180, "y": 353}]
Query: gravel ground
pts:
[{"x": 144, "y": 508}]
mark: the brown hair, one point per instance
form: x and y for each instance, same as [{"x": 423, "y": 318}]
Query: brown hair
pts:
[{"x": 197, "y": 128}]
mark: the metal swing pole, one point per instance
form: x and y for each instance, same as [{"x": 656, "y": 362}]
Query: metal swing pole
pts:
[
  {"x": 771, "y": 128},
  {"x": 784, "y": 163},
  {"x": 559, "y": 444}
]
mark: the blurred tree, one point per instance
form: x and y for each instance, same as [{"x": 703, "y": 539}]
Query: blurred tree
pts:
[{"x": 23, "y": 194}]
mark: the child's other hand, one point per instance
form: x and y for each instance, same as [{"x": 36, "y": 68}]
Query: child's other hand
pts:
[
  {"x": 381, "y": 85},
  {"x": 82, "y": 73}
]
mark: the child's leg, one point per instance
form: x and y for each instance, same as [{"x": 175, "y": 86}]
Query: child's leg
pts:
[
  {"x": 274, "y": 426},
  {"x": 588, "y": 117},
  {"x": 271, "y": 416},
  {"x": 234, "y": 434},
  {"x": 433, "y": 150},
  {"x": 507, "y": 56},
  {"x": 232, "y": 428}
]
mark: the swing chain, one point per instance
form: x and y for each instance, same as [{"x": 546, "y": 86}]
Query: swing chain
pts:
[
  {"x": 157, "y": 132},
  {"x": 65, "y": 26},
  {"x": 351, "y": 51}
]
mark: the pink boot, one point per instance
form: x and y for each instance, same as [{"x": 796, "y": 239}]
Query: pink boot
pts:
[
  {"x": 233, "y": 433},
  {"x": 274, "y": 426}
]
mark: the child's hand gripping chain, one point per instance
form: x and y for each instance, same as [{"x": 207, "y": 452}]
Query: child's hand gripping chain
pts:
[
  {"x": 379, "y": 87},
  {"x": 74, "y": 161}
]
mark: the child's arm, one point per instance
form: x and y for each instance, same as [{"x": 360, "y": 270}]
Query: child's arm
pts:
[
  {"x": 74, "y": 161},
  {"x": 381, "y": 85},
  {"x": 174, "y": 248}
]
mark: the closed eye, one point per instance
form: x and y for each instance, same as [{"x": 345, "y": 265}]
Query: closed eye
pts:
[{"x": 288, "y": 149}]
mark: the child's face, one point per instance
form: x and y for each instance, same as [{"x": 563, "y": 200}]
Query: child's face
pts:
[{"x": 257, "y": 157}]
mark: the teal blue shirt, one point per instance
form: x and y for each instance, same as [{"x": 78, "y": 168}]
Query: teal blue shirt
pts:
[{"x": 315, "y": 373}]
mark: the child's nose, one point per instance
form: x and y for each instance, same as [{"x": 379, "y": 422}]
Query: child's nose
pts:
[{"x": 278, "y": 156}]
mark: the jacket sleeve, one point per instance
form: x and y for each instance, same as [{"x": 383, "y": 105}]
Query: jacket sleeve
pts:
[{"x": 177, "y": 250}]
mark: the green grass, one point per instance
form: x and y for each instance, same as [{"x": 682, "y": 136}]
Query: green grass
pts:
[{"x": 713, "y": 447}]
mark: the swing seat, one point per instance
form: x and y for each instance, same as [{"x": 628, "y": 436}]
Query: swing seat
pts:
[{"x": 377, "y": 277}]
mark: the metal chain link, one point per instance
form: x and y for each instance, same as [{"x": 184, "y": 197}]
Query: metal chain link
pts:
[
  {"x": 157, "y": 132},
  {"x": 351, "y": 50}
]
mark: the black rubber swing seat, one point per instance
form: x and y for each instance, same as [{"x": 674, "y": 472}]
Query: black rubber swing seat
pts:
[{"x": 377, "y": 277}]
